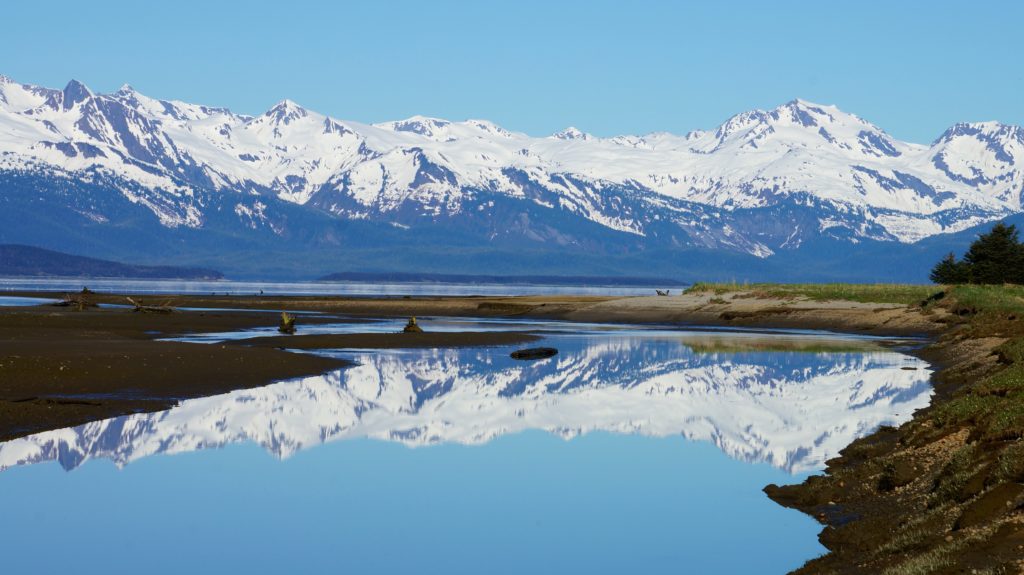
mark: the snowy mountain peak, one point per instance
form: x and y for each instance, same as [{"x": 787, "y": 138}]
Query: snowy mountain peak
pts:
[
  {"x": 490, "y": 128},
  {"x": 572, "y": 133},
  {"x": 1004, "y": 134},
  {"x": 431, "y": 128},
  {"x": 286, "y": 112}
]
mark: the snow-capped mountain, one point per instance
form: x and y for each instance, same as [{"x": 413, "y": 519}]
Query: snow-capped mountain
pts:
[
  {"x": 792, "y": 411},
  {"x": 761, "y": 183}
]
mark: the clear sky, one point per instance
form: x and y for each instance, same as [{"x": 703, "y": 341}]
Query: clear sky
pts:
[{"x": 913, "y": 68}]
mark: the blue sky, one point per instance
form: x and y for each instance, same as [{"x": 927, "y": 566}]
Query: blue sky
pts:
[{"x": 608, "y": 68}]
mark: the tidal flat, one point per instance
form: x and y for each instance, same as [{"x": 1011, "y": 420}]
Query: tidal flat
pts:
[{"x": 457, "y": 384}]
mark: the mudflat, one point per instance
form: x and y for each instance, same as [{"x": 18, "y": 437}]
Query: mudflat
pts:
[{"x": 734, "y": 308}]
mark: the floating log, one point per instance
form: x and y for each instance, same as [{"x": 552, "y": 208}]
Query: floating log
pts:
[{"x": 534, "y": 353}]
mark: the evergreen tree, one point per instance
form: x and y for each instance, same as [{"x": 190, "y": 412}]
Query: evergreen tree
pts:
[
  {"x": 949, "y": 271},
  {"x": 996, "y": 257}
]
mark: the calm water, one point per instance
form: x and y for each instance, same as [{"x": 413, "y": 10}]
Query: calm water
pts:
[
  {"x": 633, "y": 450},
  {"x": 9, "y": 301},
  {"x": 311, "y": 288}
]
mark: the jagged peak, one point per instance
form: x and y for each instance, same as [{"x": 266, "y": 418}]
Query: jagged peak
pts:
[
  {"x": 989, "y": 128},
  {"x": 285, "y": 105},
  {"x": 74, "y": 93},
  {"x": 286, "y": 111}
]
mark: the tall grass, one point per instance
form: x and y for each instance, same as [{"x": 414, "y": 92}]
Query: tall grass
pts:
[
  {"x": 865, "y": 293},
  {"x": 1004, "y": 299}
]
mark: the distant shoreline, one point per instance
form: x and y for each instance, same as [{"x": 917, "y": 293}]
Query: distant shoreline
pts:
[{"x": 483, "y": 279}]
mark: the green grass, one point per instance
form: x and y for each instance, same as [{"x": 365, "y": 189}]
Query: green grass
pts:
[
  {"x": 1008, "y": 382},
  {"x": 865, "y": 293},
  {"x": 999, "y": 300},
  {"x": 964, "y": 408},
  {"x": 1009, "y": 465},
  {"x": 1005, "y": 299},
  {"x": 954, "y": 475}
]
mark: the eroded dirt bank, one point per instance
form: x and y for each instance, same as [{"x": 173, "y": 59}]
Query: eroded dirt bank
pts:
[{"x": 942, "y": 493}]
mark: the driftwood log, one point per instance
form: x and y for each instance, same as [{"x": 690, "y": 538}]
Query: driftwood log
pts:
[
  {"x": 162, "y": 308},
  {"x": 79, "y": 301}
]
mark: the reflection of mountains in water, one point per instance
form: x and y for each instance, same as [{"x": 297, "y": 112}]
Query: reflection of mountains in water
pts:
[{"x": 792, "y": 410}]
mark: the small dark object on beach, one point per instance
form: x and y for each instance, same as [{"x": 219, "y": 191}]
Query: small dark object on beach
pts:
[
  {"x": 933, "y": 298},
  {"x": 534, "y": 353},
  {"x": 86, "y": 291},
  {"x": 662, "y": 291},
  {"x": 287, "y": 324},
  {"x": 412, "y": 326}
]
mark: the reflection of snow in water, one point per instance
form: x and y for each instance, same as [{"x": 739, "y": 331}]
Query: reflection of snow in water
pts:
[
  {"x": 792, "y": 410},
  {"x": 8, "y": 301}
]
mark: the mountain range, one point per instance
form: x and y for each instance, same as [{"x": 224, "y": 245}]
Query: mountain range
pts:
[{"x": 801, "y": 191}]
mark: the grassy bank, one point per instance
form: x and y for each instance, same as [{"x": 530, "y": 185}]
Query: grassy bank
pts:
[
  {"x": 943, "y": 493},
  {"x": 864, "y": 293}
]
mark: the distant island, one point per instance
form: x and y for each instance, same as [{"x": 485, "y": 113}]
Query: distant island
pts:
[
  {"x": 29, "y": 261},
  {"x": 413, "y": 277}
]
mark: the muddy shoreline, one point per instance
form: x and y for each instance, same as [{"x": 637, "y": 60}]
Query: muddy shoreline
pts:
[{"x": 61, "y": 367}]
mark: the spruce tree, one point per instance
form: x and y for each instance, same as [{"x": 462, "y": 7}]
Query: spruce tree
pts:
[
  {"x": 996, "y": 257},
  {"x": 949, "y": 271}
]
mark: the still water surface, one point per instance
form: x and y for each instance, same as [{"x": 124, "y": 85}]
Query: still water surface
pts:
[{"x": 634, "y": 450}]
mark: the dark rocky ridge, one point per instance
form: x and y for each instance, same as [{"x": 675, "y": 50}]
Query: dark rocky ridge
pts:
[{"x": 27, "y": 261}]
